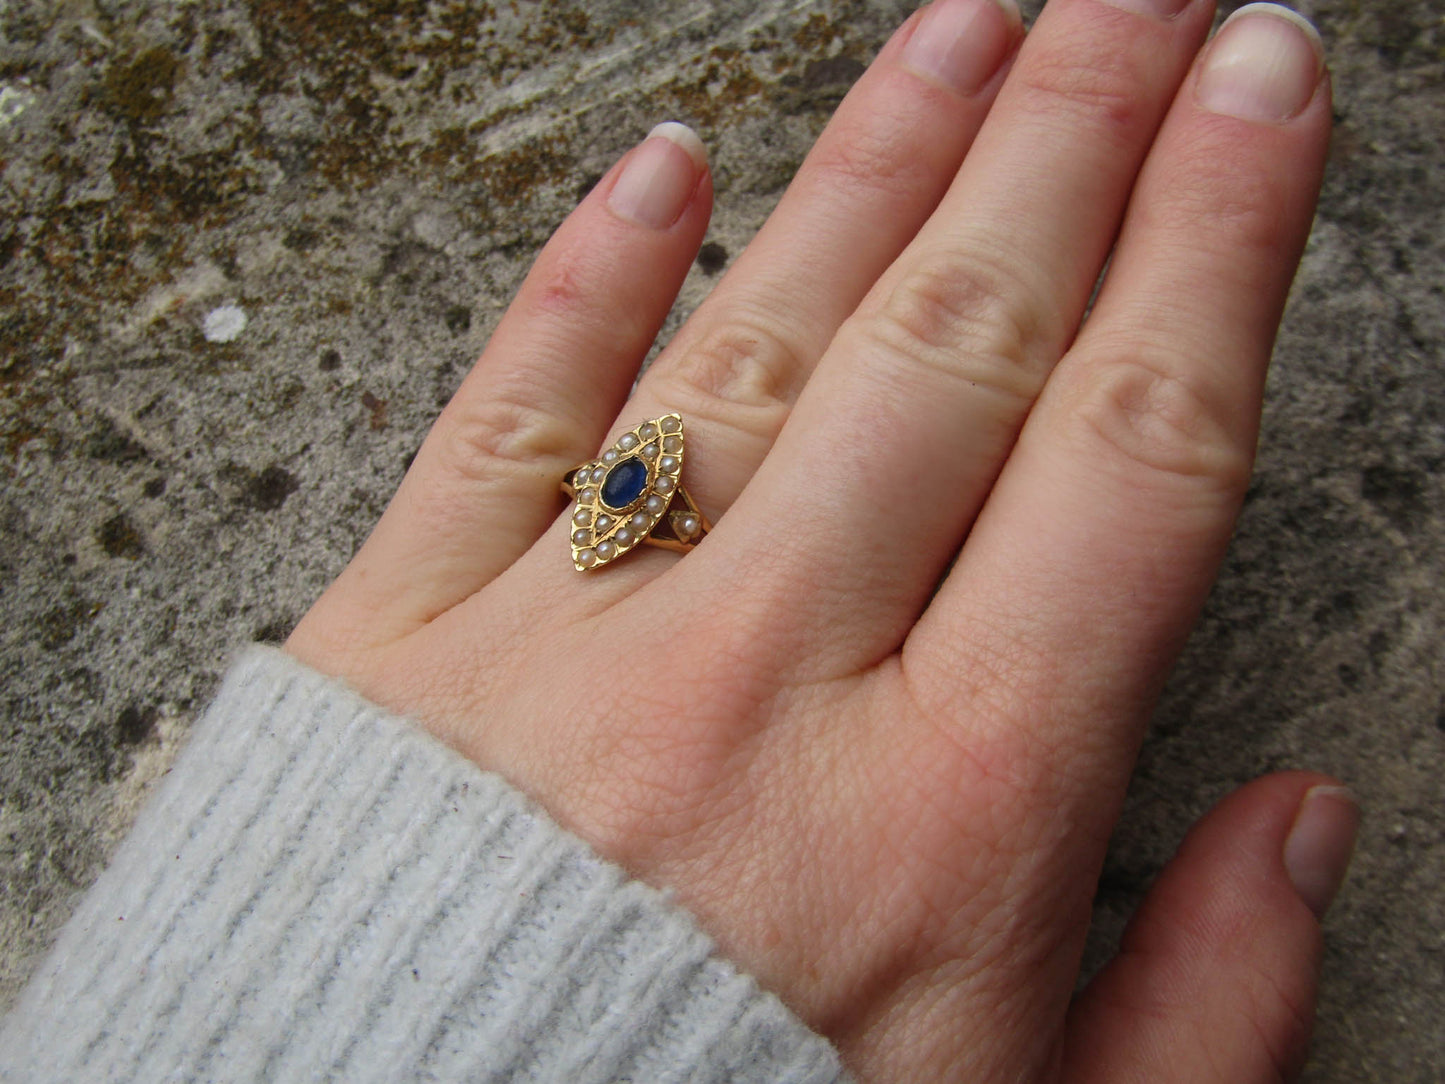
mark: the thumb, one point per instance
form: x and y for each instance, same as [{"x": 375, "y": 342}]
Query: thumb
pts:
[{"x": 1215, "y": 977}]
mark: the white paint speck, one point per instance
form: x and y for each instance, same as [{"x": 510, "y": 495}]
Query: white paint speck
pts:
[
  {"x": 224, "y": 324},
  {"x": 13, "y": 102},
  {"x": 90, "y": 30}
]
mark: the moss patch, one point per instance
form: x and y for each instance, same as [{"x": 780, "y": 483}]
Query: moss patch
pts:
[{"x": 141, "y": 89}]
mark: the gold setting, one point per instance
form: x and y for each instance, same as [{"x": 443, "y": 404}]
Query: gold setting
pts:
[{"x": 661, "y": 514}]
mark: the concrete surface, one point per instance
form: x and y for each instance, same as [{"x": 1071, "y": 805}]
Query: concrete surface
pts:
[{"x": 248, "y": 248}]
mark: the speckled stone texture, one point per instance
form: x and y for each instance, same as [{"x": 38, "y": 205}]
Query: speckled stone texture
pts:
[{"x": 249, "y": 247}]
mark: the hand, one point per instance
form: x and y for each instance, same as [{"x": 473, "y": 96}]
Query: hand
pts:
[{"x": 875, "y": 730}]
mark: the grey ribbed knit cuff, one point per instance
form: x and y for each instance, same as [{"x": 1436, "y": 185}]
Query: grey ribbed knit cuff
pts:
[{"x": 320, "y": 891}]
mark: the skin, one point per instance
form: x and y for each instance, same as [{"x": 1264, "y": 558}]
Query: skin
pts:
[{"x": 875, "y": 731}]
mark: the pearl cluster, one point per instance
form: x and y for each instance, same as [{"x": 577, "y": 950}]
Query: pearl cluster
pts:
[{"x": 602, "y": 532}]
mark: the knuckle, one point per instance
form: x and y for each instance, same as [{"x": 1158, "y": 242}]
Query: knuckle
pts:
[
  {"x": 1221, "y": 194},
  {"x": 1280, "y": 1021},
  {"x": 878, "y": 153},
  {"x": 958, "y": 316},
  {"x": 1161, "y": 414},
  {"x": 1098, "y": 88},
  {"x": 1272, "y": 1005},
  {"x": 742, "y": 372},
  {"x": 478, "y": 437},
  {"x": 949, "y": 301}
]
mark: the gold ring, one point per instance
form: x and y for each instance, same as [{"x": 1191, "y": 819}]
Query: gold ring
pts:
[{"x": 632, "y": 495}]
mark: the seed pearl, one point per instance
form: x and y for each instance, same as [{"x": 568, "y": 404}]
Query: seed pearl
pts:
[
  {"x": 581, "y": 537},
  {"x": 628, "y": 442},
  {"x": 581, "y": 517},
  {"x": 662, "y": 485},
  {"x": 648, "y": 431},
  {"x": 672, "y": 444},
  {"x": 603, "y": 522},
  {"x": 606, "y": 551},
  {"x": 587, "y": 558},
  {"x": 623, "y": 537},
  {"x": 610, "y": 456},
  {"x": 639, "y": 521},
  {"x": 587, "y": 496},
  {"x": 650, "y": 452},
  {"x": 667, "y": 463},
  {"x": 656, "y": 504},
  {"x": 599, "y": 474},
  {"x": 671, "y": 424}
]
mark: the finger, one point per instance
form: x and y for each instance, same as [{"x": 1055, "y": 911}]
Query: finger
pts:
[
  {"x": 878, "y": 170},
  {"x": 893, "y": 445},
  {"x": 1215, "y": 978},
  {"x": 484, "y": 484},
  {"x": 1085, "y": 572}
]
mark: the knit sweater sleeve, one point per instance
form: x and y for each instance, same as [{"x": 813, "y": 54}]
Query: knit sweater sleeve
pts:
[{"x": 320, "y": 891}]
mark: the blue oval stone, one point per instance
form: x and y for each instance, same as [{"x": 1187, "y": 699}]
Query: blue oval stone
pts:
[{"x": 624, "y": 483}]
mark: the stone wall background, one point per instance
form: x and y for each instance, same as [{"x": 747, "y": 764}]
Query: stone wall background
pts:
[{"x": 364, "y": 192}]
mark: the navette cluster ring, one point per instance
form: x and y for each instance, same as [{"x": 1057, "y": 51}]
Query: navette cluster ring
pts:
[{"x": 632, "y": 495}]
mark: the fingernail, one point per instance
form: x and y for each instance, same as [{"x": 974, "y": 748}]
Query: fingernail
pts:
[
  {"x": 1263, "y": 65},
  {"x": 961, "y": 43},
  {"x": 1317, "y": 852},
  {"x": 1162, "y": 9},
  {"x": 660, "y": 177}
]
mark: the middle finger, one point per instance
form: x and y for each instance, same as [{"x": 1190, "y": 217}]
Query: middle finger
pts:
[{"x": 876, "y": 173}]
